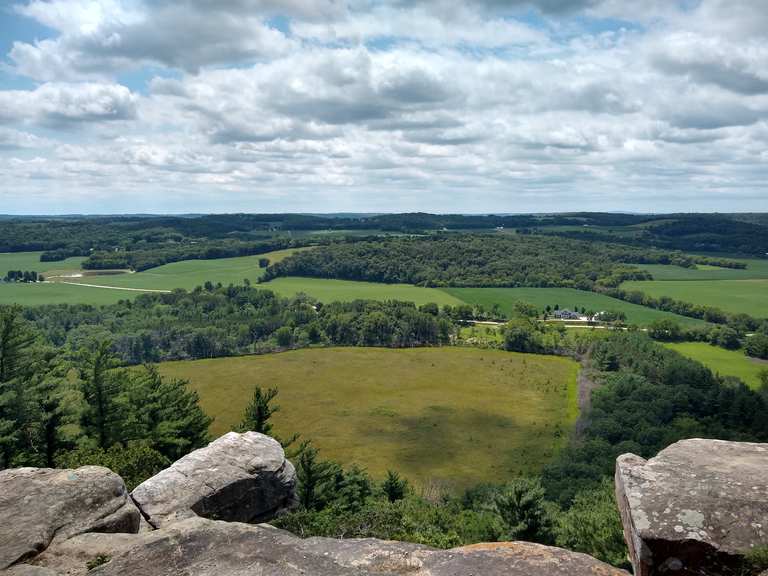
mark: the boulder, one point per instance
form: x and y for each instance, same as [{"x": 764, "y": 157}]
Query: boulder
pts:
[
  {"x": 214, "y": 548},
  {"x": 41, "y": 506},
  {"x": 696, "y": 508},
  {"x": 238, "y": 477}
]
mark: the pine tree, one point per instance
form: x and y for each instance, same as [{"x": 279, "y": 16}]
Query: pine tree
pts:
[
  {"x": 165, "y": 412},
  {"x": 313, "y": 476},
  {"x": 394, "y": 487},
  {"x": 100, "y": 387},
  {"x": 259, "y": 411},
  {"x": 15, "y": 340}
]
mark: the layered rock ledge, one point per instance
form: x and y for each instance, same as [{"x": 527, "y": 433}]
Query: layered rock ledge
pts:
[
  {"x": 238, "y": 477},
  {"x": 698, "y": 507},
  {"x": 42, "y": 506},
  {"x": 213, "y": 548}
]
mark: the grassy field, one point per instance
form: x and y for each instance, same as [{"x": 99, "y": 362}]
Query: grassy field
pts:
[
  {"x": 565, "y": 298},
  {"x": 748, "y": 296},
  {"x": 190, "y": 273},
  {"x": 724, "y": 362},
  {"x": 756, "y": 269},
  {"x": 52, "y": 293},
  {"x": 186, "y": 274},
  {"x": 344, "y": 290},
  {"x": 451, "y": 416},
  {"x": 31, "y": 261}
]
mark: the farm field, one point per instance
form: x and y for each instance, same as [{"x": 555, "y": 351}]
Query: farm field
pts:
[
  {"x": 724, "y": 362},
  {"x": 451, "y": 416},
  {"x": 185, "y": 274},
  {"x": 54, "y": 293},
  {"x": 31, "y": 261},
  {"x": 565, "y": 298},
  {"x": 736, "y": 296},
  {"x": 327, "y": 290},
  {"x": 756, "y": 269}
]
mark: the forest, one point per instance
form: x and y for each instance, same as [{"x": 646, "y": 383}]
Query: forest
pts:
[
  {"x": 479, "y": 260},
  {"x": 216, "y": 321},
  {"x": 62, "y": 237}
]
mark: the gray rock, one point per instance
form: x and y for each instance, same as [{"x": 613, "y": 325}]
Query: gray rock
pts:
[
  {"x": 696, "y": 508},
  {"x": 238, "y": 477},
  {"x": 71, "y": 557},
  {"x": 213, "y": 548},
  {"x": 40, "y": 506}
]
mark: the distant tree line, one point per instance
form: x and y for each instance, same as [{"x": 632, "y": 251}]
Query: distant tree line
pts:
[
  {"x": 25, "y": 276},
  {"x": 139, "y": 259},
  {"x": 213, "y": 321},
  {"x": 473, "y": 260}
]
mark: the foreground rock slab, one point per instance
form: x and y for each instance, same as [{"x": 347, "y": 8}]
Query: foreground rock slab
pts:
[
  {"x": 237, "y": 477},
  {"x": 696, "y": 508},
  {"x": 41, "y": 506},
  {"x": 214, "y": 548}
]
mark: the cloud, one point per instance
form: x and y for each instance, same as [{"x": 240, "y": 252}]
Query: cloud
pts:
[
  {"x": 60, "y": 105},
  {"x": 738, "y": 67},
  {"x": 276, "y": 105},
  {"x": 99, "y": 37}
]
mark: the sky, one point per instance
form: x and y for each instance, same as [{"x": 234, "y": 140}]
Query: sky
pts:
[{"x": 506, "y": 106}]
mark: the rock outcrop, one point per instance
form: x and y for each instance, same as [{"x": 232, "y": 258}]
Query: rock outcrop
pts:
[
  {"x": 214, "y": 548},
  {"x": 238, "y": 477},
  {"x": 696, "y": 508},
  {"x": 41, "y": 506}
]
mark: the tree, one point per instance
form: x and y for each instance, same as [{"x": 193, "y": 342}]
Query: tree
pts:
[
  {"x": 665, "y": 329},
  {"x": 394, "y": 487},
  {"x": 521, "y": 336},
  {"x": 592, "y": 525},
  {"x": 15, "y": 340},
  {"x": 101, "y": 387},
  {"x": 313, "y": 476},
  {"x": 525, "y": 309},
  {"x": 757, "y": 346},
  {"x": 165, "y": 412},
  {"x": 521, "y": 506},
  {"x": 259, "y": 411}
]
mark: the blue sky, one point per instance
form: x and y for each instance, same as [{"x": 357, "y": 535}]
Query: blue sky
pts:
[{"x": 330, "y": 105}]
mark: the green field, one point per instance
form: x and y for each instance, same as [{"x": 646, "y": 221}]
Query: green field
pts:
[
  {"x": 327, "y": 290},
  {"x": 756, "y": 269},
  {"x": 736, "y": 296},
  {"x": 722, "y": 361},
  {"x": 186, "y": 274},
  {"x": 31, "y": 261},
  {"x": 52, "y": 293},
  {"x": 565, "y": 298},
  {"x": 451, "y": 416}
]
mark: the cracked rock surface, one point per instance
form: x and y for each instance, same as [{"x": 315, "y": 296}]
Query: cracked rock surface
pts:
[
  {"x": 697, "y": 507},
  {"x": 41, "y": 506},
  {"x": 214, "y": 548},
  {"x": 237, "y": 477}
]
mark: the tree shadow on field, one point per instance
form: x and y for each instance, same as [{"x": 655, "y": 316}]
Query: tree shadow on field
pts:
[{"x": 445, "y": 438}]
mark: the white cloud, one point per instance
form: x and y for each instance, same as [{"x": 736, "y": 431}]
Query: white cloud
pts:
[
  {"x": 362, "y": 105},
  {"x": 61, "y": 104}
]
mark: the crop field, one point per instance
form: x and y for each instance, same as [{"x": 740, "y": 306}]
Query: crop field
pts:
[
  {"x": 446, "y": 416},
  {"x": 756, "y": 269},
  {"x": 327, "y": 290},
  {"x": 53, "y": 293},
  {"x": 186, "y": 274},
  {"x": 736, "y": 296},
  {"x": 31, "y": 261},
  {"x": 722, "y": 361},
  {"x": 565, "y": 298}
]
